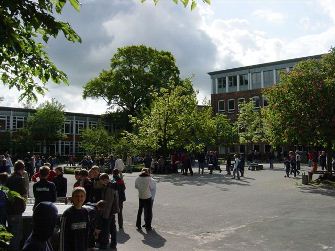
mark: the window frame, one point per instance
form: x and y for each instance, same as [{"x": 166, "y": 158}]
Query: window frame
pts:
[
  {"x": 231, "y": 110},
  {"x": 259, "y": 102},
  {"x": 224, "y": 105}
]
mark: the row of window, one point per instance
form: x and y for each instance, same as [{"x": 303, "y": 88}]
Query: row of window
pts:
[
  {"x": 256, "y": 79},
  {"x": 231, "y": 103},
  {"x": 18, "y": 123}
]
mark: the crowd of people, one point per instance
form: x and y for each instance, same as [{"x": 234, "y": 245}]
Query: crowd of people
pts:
[{"x": 97, "y": 198}]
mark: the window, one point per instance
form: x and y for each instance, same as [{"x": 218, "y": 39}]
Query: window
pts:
[
  {"x": 232, "y": 81},
  {"x": 244, "y": 80},
  {"x": 18, "y": 123},
  {"x": 67, "y": 127},
  {"x": 256, "y": 80},
  {"x": 256, "y": 101},
  {"x": 80, "y": 125},
  {"x": 240, "y": 101},
  {"x": 222, "y": 83},
  {"x": 221, "y": 106},
  {"x": 231, "y": 105},
  {"x": 278, "y": 72},
  {"x": 3, "y": 123},
  {"x": 92, "y": 124},
  {"x": 268, "y": 78}
]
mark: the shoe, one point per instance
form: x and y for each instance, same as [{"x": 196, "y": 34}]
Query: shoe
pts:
[
  {"x": 148, "y": 228},
  {"x": 139, "y": 227}
]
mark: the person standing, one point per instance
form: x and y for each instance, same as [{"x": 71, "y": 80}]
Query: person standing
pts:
[
  {"x": 110, "y": 197},
  {"x": 201, "y": 162},
  {"x": 298, "y": 160},
  {"x": 60, "y": 182},
  {"x": 143, "y": 184},
  {"x": 75, "y": 224},
  {"x": 228, "y": 165},
  {"x": 14, "y": 218},
  {"x": 236, "y": 171},
  {"x": 44, "y": 190},
  {"x": 292, "y": 159},
  {"x": 323, "y": 160}
]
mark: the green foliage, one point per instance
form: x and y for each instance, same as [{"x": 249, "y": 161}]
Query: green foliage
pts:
[
  {"x": 226, "y": 131},
  {"x": 5, "y": 238},
  {"x": 136, "y": 72},
  {"x": 174, "y": 122},
  {"x": 96, "y": 141},
  {"x": 24, "y": 62},
  {"x": 249, "y": 124},
  {"x": 47, "y": 124}
]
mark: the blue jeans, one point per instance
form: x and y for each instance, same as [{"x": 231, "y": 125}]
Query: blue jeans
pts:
[{"x": 15, "y": 226}]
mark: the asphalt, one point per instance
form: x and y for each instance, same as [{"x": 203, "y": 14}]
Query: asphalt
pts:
[{"x": 262, "y": 211}]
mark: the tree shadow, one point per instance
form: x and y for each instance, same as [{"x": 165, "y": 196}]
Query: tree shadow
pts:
[
  {"x": 152, "y": 239},
  {"x": 322, "y": 190},
  {"x": 122, "y": 237},
  {"x": 202, "y": 179}
]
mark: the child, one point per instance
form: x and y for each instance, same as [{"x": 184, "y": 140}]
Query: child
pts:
[
  {"x": 60, "y": 182},
  {"x": 77, "y": 177},
  {"x": 44, "y": 190},
  {"x": 287, "y": 167},
  {"x": 86, "y": 183},
  {"x": 121, "y": 187},
  {"x": 75, "y": 224}
]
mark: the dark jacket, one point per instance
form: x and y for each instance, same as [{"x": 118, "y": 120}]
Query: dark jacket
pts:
[
  {"x": 121, "y": 187},
  {"x": 44, "y": 191},
  {"x": 15, "y": 182},
  {"x": 44, "y": 222},
  {"x": 61, "y": 185}
]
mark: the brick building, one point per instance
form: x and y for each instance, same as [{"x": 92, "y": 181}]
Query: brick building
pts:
[{"x": 232, "y": 86}]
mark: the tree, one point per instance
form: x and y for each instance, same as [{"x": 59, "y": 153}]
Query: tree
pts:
[
  {"x": 47, "y": 124},
  {"x": 174, "y": 122},
  {"x": 96, "y": 141},
  {"x": 303, "y": 105},
  {"x": 24, "y": 64},
  {"x": 249, "y": 124},
  {"x": 184, "y": 2},
  {"x": 136, "y": 72},
  {"x": 226, "y": 132}
]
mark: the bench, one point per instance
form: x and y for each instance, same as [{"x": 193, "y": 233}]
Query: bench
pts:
[
  {"x": 255, "y": 167},
  {"x": 323, "y": 172}
]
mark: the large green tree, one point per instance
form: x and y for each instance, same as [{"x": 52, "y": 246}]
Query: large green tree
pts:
[
  {"x": 301, "y": 108},
  {"x": 136, "y": 72},
  {"x": 174, "y": 122},
  {"x": 47, "y": 124},
  {"x": 249, "y": 124},
  {"x": 24, "y": 63},
  {"x": 96, "y": 141}
]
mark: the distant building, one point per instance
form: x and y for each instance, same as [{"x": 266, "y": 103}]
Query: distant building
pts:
[
  {"x": 12, "y": 119},
  {"x": 231, "y": 87}
]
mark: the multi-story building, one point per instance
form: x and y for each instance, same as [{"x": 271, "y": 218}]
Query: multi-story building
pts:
[
  {"x": 230, "y": 87},
  {"x": 13, "y": 119}
]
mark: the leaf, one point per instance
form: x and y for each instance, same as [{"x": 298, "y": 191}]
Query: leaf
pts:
[
  {"x": 75, "y": 4},
  {"x": 193, "y": 5}
]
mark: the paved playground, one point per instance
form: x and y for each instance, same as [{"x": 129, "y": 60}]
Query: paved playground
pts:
[{"x": 262, "y": 211}]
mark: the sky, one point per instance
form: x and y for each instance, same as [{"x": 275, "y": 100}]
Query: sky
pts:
[{"x": 223, "y": 35}]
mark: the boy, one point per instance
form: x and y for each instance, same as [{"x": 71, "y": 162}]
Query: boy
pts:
[
  {"x": 60, "y": 182},
  {"x": 44, "y": 190},
  {"x": 121, "y": 187},
  {"x": 75, "y": 224}
]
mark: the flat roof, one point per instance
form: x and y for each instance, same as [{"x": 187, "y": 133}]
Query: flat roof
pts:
[
  {"x": 17, "y": 109},
  {"x": 265, "y": 64}
]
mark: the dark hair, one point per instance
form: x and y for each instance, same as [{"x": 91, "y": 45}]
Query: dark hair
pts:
[
  {"x": 3, "y": 178},
  {"x": 103, "y": 176},
  {"x": 77, "y": 171},
  {"x": 83, "y": 172},
  {"x": 116, "y": 172}
]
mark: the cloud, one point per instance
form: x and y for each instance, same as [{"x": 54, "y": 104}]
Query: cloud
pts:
[{"x": 270, "y": 16}]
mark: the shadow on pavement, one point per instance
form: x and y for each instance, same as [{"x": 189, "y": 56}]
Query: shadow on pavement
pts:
[
  {"x": 317, "y": 190},
  {"x": 122, "y": 237},
  {"x": 201, "y": 180},
  {"x": 152, "y": 239}
]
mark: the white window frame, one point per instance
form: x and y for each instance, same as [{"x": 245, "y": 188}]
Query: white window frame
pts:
[
  {"x": 3, "y": 118},
  {"x": 224, "y": 106},
  {"x": 239, "y": 102},
  {"x": 67, "y": 122},
  {"x": 231, "y": 110}
]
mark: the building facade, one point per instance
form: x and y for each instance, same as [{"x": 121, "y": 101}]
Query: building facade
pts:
[
  {"x": 13, "y": 119},
  {"x": 231, "y": 87}
]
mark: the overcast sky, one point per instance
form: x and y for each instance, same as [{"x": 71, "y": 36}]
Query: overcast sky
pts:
[{"x": 225, "y": 34}]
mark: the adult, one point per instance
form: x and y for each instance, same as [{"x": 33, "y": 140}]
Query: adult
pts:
[
  {"x": 228, "y": 165},
  {"x": 187, "y": 165},
  {"x": 201, "y": 162},
  {"x": 298, "y": 160},
  {"x": 323, "y": 160},
  {"x": 143, "y": 184},
  {"x": 121, "y": 187},
  {"x": 60, "y": 182},
  {"x": 111, "y": 207},
  {"x": 293, "y": 163},
  {"x": 236, "y": 171},
  {"x": 271, "y": 159},
  {"x": 38, "y": 240},
  {"x": 14, "y": 218}
]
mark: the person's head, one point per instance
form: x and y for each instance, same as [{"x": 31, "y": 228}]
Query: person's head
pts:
[
  {"x": 44, "y": 220},
  {"x": 19, "y": 167},
  {"x": 116, "y": 173},
  {"x": 95, "y": 171},
  {"x": 104, "y": 178},
  {"x": 83, "y": 174},
  {"x": 44, "y": 172},
  {"x": 145, "y": 172},
  {"x": 76, "y": 174},
  {"x": 47, "y": 164},
  {"x": 59, "y": 170},
  {"x": 78, "y": 197},
  {"x": 3, "y": 178}
]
